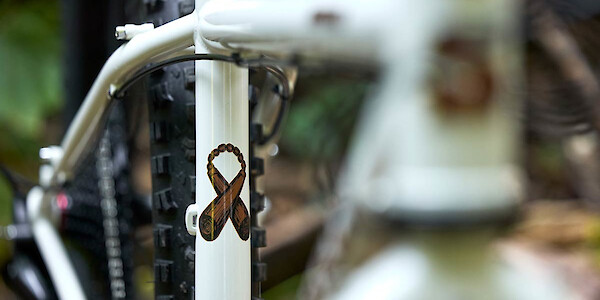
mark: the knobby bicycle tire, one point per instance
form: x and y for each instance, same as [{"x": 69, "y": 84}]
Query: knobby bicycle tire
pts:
[{"x": 169, "y": 95}]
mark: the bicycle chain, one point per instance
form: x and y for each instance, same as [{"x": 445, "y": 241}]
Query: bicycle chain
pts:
[{"x": 108, "y": 204}]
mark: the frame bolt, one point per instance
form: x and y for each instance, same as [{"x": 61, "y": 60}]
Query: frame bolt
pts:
[
  {"x": 127, "y": 32},
  {"x": 51, "y": 153}
]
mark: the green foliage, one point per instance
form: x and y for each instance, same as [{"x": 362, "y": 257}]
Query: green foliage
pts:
[
  {"x": 5, "y": 216},
  {"x": 30, "y": 87},
  {"x": 322, "y": 117},
  {"x": 30, "y": 81}
]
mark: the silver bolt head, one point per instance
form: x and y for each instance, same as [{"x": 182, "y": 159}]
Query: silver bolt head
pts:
[{"x": 120, "y": 33}]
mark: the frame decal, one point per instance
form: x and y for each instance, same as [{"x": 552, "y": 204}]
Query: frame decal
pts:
[{"x": 227, "y": 204}]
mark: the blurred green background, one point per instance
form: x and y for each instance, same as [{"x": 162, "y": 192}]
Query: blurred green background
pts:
[
  {"x": 30, "y": 89},
  {"x": 30, "y": 81}
]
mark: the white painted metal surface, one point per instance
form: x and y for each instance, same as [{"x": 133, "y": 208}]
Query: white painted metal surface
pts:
[
  {"x": 222, "y": 116},
  {"x": 314, "y": 28},
  {"x": 410, "y": 160},
  {"x": 425, "y": 265},
  {"x": 51, "y": 248}
]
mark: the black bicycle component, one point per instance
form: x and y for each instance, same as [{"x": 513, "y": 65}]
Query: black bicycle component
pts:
[
  {"x": 25, "y": 272},
  {"x": 25, "y": 278},
  {"x": 84, "y": 203},
  {"x": 254, "y": 63},
  {"x": 82, "y": 224},
  {"x": 282, "y": 90},
  {"x": 169, "y": 94},
  {"x": 142, "y": 206}
]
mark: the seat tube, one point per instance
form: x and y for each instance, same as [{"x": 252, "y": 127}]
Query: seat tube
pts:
[{"x": 221, "y": 215}]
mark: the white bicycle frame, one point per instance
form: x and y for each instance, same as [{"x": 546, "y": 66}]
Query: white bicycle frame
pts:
[{"x": 394, "y": 34}]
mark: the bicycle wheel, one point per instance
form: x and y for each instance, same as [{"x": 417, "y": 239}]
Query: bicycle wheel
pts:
[{"x": 170, "y": 99}]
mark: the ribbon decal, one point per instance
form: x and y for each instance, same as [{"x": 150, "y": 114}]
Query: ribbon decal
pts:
[{"x": 227, "y": 204}]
